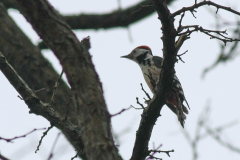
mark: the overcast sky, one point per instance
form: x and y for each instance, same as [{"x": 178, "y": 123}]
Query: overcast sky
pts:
[{"x": 121, "y": 80}]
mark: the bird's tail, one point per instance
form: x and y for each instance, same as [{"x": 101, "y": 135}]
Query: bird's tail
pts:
[{"x": 175, "y": 103}]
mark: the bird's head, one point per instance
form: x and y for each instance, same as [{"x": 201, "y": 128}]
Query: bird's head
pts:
[{"x": 139, "y": 54}]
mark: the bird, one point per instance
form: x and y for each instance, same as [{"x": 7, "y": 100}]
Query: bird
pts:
[{"x": 151, "y": 69}]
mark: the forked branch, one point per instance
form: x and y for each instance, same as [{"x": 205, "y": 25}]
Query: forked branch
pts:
[
  {"x": 221, "y": 34},
  {"x": 209, "y": 3}
]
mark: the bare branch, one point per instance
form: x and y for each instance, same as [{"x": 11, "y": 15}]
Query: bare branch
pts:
[
  {"x": 149, "y": 98},
  {"x": 140, "y": 103},
  {"x": 54, "y": 144},
  {"x": 160, "y": 151},
  {"x": 145, "y": 6},
  {"x": 179, "y": 29},
  {"x": 81, "y": 74},
  {"x": 179, "y": 56},
  {"x": 121, "y": 111},
  {"x": 44, "y": 134},
  {"x": 209, "y": 3},
  {"x": 23, "y": 136},
  {"x": 136, "y": 108},
  {"x": 118, "y": 18},
  {"x": 20, "y": 97},
  {"x": 180, "y": 41},
  {"x": 55, "y": 89},
  {"x": 37, "y": 107},
  {"x": 36, "y": 70},
  {"x": 75, "y": 155},
  {"x": 226, "y": 52},
  {"x": 152, "y": 112},
  {"x": 3, "y": 157},
  {"x": 208, "y": 32},
  {"x": 68, "y": 108},
  {"x": 39, "y": 90}
]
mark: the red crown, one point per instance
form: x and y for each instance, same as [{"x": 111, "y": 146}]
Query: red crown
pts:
[{"x": 144, "y": 47}]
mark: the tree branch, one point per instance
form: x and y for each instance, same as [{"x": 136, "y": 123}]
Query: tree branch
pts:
[
  {"x": 117, "y": 18},
  {"x": 3, "y": 157},
  {"x": 23, "y": 136},
  {"x": 38, "y": 107},
  {"x": 209, "y": 3},
  {"x": 9, "y": 4},
  {"x": 30, "y": 64},
  {"x": 221, "y": 34},
  {"x": 152, "y": 112},
  {"x": 81, "y": 75},
  {"x": 229, "y": 52}
]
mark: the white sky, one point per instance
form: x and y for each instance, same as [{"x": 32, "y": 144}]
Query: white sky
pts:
[{"x": 121, "y": 80}]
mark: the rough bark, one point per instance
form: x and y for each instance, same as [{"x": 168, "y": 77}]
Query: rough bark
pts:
[
  {"x": 38, "y": 107},
  {"x": 9, "y": 4},
  {"x": 34, "y": 69},
  {"x": 30, "y": 63},
  {"x": 93, "y": 118}
]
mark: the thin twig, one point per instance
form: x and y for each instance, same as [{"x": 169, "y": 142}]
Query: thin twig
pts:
[
  {"x": 75, "y": 155},
  {"x": 39, "y": 90},
  {"x": 55, "y": 89},
  {"x": 20, "y": 97},
  {"x": 11, "y": 139},
  {"x": 140, "y": 103},
  {"x": 179, "y": 56},
  {"x": 179, "y": 29},
  {"x": 135, "y": 107},
  {"x": 142, "y": 7},
  {"x": 209, "y": 3},
  {"x": 159, "y": 151},
  {"x": 151, "y": 155},
  {"x": 223, "y": 38},
  {"x": 67, "y": 109},
  {"x": 54, "y": 144},
  {"x": 145, "y": 92},
  {"x": 44, "y": 134},
  {"x": 193, "y": 13},
  {"x": 124, "y": 109}
]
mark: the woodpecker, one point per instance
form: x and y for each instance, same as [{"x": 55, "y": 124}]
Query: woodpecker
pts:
[{"x": 151, "y": 69}]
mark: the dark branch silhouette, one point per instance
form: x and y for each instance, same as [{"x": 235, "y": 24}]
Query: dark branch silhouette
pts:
[
  {"x": 75, "y": 60},
  {"x": 117, "y": 18},
  {"x": 37, "y": 106},
  {"x": 23, "y": 136},
  {"x": 209, "y": 3},
  {"x": 44, "y": 134},
  {"x": 54, "y": 145}
]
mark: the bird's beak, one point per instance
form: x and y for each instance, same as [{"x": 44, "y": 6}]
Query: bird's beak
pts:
[{"x": 127, "y": 56}]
